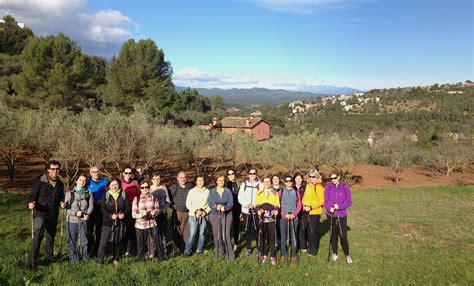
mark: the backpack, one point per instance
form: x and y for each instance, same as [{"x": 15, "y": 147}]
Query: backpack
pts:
[
  {"x": 122, "y": 195},
  {"x": 86, "y": 198}
]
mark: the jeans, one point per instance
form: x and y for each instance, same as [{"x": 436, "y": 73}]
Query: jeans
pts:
[
  {"x": 292, "y": 231},
  {"x": 194, "y": 225},
  {"x": 81, "y": 251}
]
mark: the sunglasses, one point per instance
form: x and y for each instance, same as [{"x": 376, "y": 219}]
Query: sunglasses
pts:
[
  {"x": 231, "y": 174},
  {"x": 127, "y": 173},
  {"x": 143, "y": 188},
  {"x": 333, "y": 178},
  {"x": 252, "y": 173},
  {"x": 312, "y": 176},
  {"x": 288, "y": 181}
]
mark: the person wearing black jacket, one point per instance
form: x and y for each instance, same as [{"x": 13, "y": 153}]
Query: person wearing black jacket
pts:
[
  {"x": 300, "y": 186},
  {"x": 233, "y": 186},
  {"x": 179, "y": 217},
  {"x": 115, "y": 207},
  {"x": 45, "y": 198}
]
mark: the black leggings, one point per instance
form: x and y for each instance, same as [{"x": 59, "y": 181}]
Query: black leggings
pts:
[
  {"x": 249, "y": 228},
  {"x": 267, "y": 237},
  {"x": 339, "y": 225}
]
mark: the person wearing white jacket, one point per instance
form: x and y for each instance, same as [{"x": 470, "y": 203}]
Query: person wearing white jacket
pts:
[{"x": 247, "y": 194}]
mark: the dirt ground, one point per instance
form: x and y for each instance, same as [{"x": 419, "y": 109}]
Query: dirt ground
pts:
[{"x": 370, "y": 176}]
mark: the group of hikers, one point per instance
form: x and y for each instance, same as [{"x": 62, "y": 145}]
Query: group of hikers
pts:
[{"x": 129, "y": 216}]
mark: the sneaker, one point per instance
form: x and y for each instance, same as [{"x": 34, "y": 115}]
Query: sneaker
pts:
[
  {"x": 334, "y": 257},
  {"x": 248, "y": 252},
  {"x": 294, "y": 260},
  {"x": 115, "y": 263},
  {"x": 303, "y": 250},
  {"x": 348, "y": 259},
  {"x": 127, "y": 253},
  {"x": 263, "y": 259},
  {"x": 282, "y": 258},
  {"x": 235, "y": 247},
  {"x": 273, "y": 261}
]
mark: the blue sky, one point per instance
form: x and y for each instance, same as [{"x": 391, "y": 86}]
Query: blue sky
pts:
[{"x": 279, "y": 43}]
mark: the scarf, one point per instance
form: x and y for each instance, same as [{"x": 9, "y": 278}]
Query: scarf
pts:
[{"x": 115, "y": 194}]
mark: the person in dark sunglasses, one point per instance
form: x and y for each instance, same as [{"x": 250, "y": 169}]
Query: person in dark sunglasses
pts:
[{"x": 132, "y": 189}]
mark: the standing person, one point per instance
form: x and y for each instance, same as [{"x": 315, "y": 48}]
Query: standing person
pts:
[
  {"x": 197, "y": 204},
  {"x": 161, "y": 194},
  {"x": 290, "y": 202},
  {"x": 115, "y": 209},
  {"x": 313, "y": 202},
  {"x": 132, "y": 189},
  {"x": 138, "y": 175},
  {"x": 300, "y": 186},
  {"x": 44, "y": 200},
  {"x": 79, "y": 206},
  {"x": 221, "y": 203},
  {"x": 144, "y": 210},
  {"x": 179, "y": 193},
  {"x": 337, "y": 199},
  {"x": 276, "y": 184},
  {"x": 247, "y": 194},
  {"x": 233, "y": 186},
  {"x": 96, "y": 184},
  {"x": 267, "y": 203}
]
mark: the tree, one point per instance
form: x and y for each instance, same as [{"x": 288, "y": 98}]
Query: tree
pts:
[
  {"x": 191, "y": 144},
  {"x": 138, "y": 73},
  {"x": 453, "y": 154},
  {"x": 55, "y": 73},
  {"x": 217, "y": 102},
  {"x": 13, "y": 38}
]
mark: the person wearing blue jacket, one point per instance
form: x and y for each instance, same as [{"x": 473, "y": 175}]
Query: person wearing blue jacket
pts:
[
  {"x": 96, "y": 184},
  {"x": 221, "y": 203}
]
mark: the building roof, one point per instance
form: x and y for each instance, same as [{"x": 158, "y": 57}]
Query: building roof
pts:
[{"x": 240, "y": 122}]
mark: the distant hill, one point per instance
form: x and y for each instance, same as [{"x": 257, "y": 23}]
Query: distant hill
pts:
[{"x": 262, "y": 96}]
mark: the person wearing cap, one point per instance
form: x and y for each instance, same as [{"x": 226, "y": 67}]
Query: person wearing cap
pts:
[
  {"x": 247, "y": 193},
  {"x": 313, "y": 201},
  {"x": 337, "y": 199},
  {"x": 290, "y": 202},
  {"x": 267, "y": 204}
]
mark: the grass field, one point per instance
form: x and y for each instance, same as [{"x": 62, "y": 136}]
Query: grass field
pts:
[{"x": 421, "y": 236}]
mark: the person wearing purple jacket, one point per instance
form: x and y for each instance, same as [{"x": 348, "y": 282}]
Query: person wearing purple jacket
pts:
[{"x": 337, "y": 199}]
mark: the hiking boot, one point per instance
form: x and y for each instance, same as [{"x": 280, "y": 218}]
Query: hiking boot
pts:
[
  {"x": 294, "y": 260},
  {"x": 282, "y": 259},
  {"x": 273, "y": 261},
  {"x": 115, "y": 263},
  {"x": 263, "y": 259},
  {"x": 348, "y": 259},
  {"x": 334, "y": 257},
  {"x": 248, "y": 252}
]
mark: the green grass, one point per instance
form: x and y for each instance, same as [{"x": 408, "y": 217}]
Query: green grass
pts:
[{"x": 420, "y": 236}]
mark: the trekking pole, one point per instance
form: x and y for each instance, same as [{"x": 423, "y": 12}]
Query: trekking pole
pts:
[
  {"x": 288, "y": 235},
  {"x": 224, "y": 217},
  {"x": 219, "y": 236},
  {"x": 32, "y": 226},
  {"x": 294, "y": 240},
  {"x": 330, "y": 238},
  {"x": 61, "y": 228},
  {"x": 252, "y": 212},
  {"x": 275, "y": 231},
  {"x": 259, "y": 242}
]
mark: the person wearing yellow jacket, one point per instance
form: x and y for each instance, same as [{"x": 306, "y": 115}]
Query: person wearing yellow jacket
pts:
[
  {"x": 313, "y": 202},
  {"x": 267, "y": 204}
]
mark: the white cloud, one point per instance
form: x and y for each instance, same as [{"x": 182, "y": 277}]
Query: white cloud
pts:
[
  {"x": 194, "y": 77},
  {"x": 302, "y": 6},
  {"x": 97, "y": 32}
]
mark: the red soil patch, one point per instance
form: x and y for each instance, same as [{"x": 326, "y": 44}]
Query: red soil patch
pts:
[{"x": 370, "y": 176}]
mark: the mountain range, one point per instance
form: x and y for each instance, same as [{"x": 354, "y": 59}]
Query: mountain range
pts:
[{"x": 264, "y": 96}]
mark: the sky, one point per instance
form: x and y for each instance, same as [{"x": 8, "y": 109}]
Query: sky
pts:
[{"x": 294, "y": 45}]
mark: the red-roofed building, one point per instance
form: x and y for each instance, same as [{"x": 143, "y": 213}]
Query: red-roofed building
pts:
[{"x": 259, "y": 128}]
